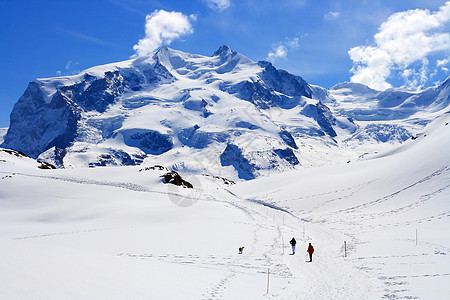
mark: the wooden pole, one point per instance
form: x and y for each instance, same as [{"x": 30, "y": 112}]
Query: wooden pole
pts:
[
  {"x": 416, "y": 236},
  {"x": 268, "y": 280},
  {"x": 345, "y": 249}
]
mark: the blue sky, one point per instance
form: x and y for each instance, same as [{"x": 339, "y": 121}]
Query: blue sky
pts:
[{"x": 326, "y": 42}]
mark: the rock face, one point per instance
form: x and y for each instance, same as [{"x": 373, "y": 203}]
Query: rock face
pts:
[
  {"x": 175, "y": 178},
  {"x": 223, "y": 115},
  {"x": 37, "y": 125}
]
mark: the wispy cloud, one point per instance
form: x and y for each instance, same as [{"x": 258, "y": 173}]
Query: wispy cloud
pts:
[
  {"x": 406, "y": 44},
  {"x": 280, "y": 50},
  {"x": 69, "y": 69},
  {"x": 443, "y": 64},
  {"x": 85, "y": 37},
  {"x": 218, "y": 4},
  {"x": 162, "y": 28},
  {"x": 332, "y": 15},
  {"x": 128, "y": 7}
]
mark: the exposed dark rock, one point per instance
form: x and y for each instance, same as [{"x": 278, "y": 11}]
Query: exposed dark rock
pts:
[
  {"x": 45, "y": 165},
  {"x": 288, "y": 139},
  {"x": 232, "y": 156},
  {"x": 288, "y": 155},
  {"x": 149, "y": 141},
  {"x": 225, "y": 181},
  {"x": 117, "y": 157},
  {"x": 175, "y": 178},
  {"x": 322, "y": 115},
  {"x": 15, "y": 153},
  {"x": 155, "y": 167}
]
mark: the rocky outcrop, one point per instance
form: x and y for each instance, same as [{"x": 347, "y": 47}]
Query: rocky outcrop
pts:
[{"x": 175, "y": 178}]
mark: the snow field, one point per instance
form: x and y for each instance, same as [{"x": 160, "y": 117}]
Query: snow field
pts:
[{"x": 117, "y": 232}]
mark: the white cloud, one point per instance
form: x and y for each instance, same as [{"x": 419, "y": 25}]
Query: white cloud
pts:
[
  {"x": 332, "y": 15},
  {"x": 443, "y": 63},
  {"x": 162, "y": 28},
  {"x": 70, "y": 64},
  {"x": 403, "y": 45},
  {"x": 218, "y": 4},
  {"x": 280, "y": 50},
  {"x": 294, "y": 43},
  {"x": 69, "y": 69}
]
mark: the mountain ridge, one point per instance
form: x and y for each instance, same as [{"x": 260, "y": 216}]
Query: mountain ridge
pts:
[{"x": 219, "y": 114}]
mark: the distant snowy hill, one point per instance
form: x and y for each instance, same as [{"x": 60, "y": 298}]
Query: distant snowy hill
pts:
[
  {"x": 224, "y": 115},
  {"x": 2, "y": 133}
]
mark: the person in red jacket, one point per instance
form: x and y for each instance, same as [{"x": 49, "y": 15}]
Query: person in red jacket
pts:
[{"x": 310, "y": 251}]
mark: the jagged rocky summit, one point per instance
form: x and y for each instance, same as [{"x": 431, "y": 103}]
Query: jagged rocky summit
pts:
[{"x": 221, "y": 115}]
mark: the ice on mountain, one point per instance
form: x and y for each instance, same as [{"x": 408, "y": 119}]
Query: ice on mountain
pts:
[
  {"x": 353, "y": 88},
  {"x": 232, "y": 156},
  {"x": 197, "y": 105},
  {"x": 382, "y": 133},
  {"x": 149, "y": 141},
  {"x": 248, "y": 125},
  {"x": 106, "y": 126},
  {"x": 195, "y": 138},
  {"x": 288, "y": 155},
  {"x": 391, "y": 98},
  {"x": 322, "y": 115},
  {"x": 288, "y": 139}
]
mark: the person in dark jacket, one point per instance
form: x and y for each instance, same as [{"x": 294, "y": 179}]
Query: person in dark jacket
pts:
[
  {"x": 310, "y": 251},
  {"x": 293, "y": 243}
]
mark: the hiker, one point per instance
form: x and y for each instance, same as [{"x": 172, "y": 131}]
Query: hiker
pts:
[
  {"x": 293, "y": 242},
  {"x": 310, "y": 251}
]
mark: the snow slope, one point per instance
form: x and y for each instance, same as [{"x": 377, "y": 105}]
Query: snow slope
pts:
[
  {"x": 2, "y": 133},
  {"x": 376, "y": 205},
  {"x": 120, "y": 232}
]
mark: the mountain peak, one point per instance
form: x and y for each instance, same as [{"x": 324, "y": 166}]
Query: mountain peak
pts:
[
  {"x": 223, "y": 50},
  {"x": 164, "y": 51}
]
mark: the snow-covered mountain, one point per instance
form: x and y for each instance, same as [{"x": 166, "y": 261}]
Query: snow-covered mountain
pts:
[
  {"x": 224, "y": 115},
  {"x": 2, "y": 134}
]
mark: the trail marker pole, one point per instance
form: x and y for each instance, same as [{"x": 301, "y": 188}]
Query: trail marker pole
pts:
[
  {"x": 282, "y": 243},
  {"x": 416, "y": 236},
  {"x": 268, "y": 280},
  {"x": 345, "y": 249}
]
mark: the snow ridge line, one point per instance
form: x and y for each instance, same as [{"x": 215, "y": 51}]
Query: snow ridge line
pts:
[
  {"x": 122, "y": 185},
  {"x": 270, "y": 205}
]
